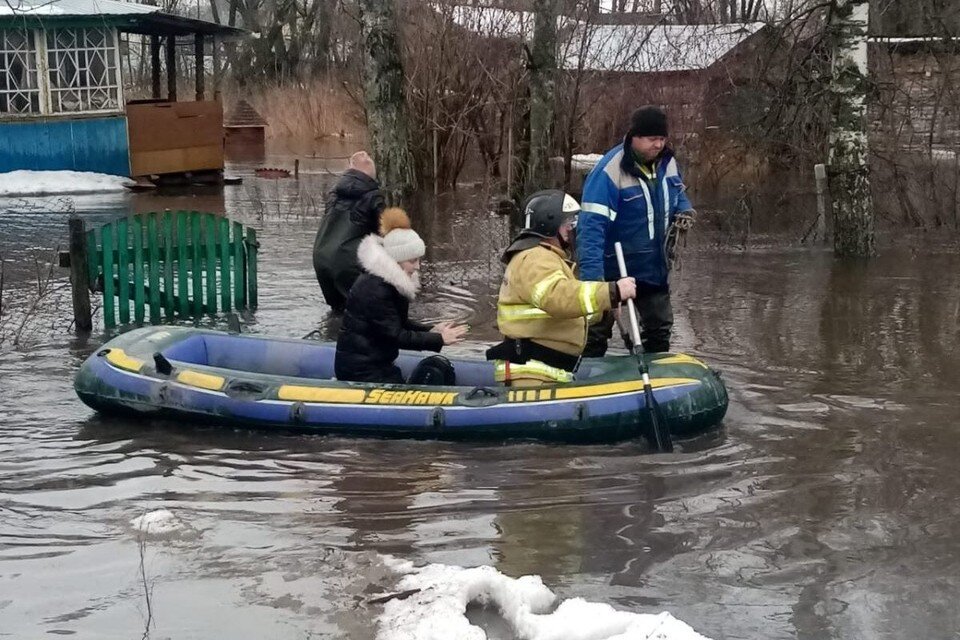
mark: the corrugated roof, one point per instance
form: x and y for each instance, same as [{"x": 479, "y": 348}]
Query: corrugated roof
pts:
[
  {"x": 615, "y": 47},
  {"x": 127, "y": 16},
  {"x": 74, "y": 8}
]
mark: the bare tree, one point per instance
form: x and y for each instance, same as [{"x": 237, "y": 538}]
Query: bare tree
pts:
[
  {"x": 465, "y": 77},
  {"x": 384, "y": 91},
  {"x": 543, "y": 70},
  {"x": 847, "y": 166}
]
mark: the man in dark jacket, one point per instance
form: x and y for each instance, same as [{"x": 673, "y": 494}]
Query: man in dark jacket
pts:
[{"x": 353, "y": 211}]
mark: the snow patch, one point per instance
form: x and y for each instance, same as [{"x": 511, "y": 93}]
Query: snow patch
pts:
[
  {"x": 585, "y": 161},
  {"x": 396, "y": 564},
  {"x": 40, "y": 183},
  {"x": 438, "y": 610},
  {"x": 156, "y": 522}
]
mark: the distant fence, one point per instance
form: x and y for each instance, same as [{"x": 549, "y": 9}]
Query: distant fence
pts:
[{"x": 179, "y": 264}]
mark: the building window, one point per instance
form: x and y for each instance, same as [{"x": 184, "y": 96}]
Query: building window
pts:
[
  {"x": 19, "y": 90},
  {"x": 83, "y": 70}
]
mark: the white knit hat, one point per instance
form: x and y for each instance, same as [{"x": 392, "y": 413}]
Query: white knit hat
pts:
[
  {"x": 404, "y": 244},
  {"x": 399, "y": 240}
]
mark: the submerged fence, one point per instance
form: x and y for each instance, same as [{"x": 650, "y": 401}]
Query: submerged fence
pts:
[{"x": 177, "y": 264}]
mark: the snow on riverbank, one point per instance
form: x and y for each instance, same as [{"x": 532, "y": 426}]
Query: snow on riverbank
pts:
[
  {"x": 42, "y": 183},
  {"x": 438, "y": 610}
]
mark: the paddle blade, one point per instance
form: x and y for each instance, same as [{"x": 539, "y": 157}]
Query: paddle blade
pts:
[{"x": 661, "y": 433}]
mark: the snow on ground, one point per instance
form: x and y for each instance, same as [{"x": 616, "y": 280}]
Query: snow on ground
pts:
[
  {"x": 438, "y": 610},
  {"x": 41, "y": 183},
  {"x": 584, "y": 161},
  {"x": 156, "y": 522}
]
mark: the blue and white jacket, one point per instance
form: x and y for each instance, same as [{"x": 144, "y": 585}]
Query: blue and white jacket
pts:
[{"x": 618, "y": 205}]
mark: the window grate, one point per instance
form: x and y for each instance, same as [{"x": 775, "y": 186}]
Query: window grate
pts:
[
  {"x": 83, "y": 70},
  {"x": 19, "y": 89}
]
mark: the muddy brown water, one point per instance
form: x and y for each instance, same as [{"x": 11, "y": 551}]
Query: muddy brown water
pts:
[{"x": 826, "y": 507}]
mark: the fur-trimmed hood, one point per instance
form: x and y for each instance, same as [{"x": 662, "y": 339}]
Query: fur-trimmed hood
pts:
[{"x": 375, "y": 260}]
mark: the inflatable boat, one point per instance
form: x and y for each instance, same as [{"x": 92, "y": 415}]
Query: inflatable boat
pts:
[{"x": 211, "y": 377}]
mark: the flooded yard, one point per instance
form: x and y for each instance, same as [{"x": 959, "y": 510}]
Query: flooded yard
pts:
[{"x": 826, "y": 507}]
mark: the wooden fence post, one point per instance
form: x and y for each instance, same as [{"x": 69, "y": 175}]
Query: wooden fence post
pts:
[
  {"x": 196, "y": 266},
  {"x": 252, "y": 246},
  {"x": 153, "y": 255},
  {"x": 820, "y": 172},
  {"x": 436, "y": 162},
  {"x": 123, "y": 270},
  {"x": 79, "y": 275},
  {"x": 168, "y": 306},
  {"x": 239, "y": 268},
  {"x": 139, "y": 300},
  {"x": 183, "y": 292},
  {"x": 107, "y": 269},
  {"x": 210, "y": 246},
  {"x": 225, "y": 271}
]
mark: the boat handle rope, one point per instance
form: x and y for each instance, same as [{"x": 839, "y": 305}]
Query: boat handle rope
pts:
[
  {"x": 485, "y": 392},
  {"x": 246, "y": 389}
]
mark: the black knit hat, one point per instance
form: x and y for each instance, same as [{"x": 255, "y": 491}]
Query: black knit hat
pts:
[{"x": 648, "y": 121}]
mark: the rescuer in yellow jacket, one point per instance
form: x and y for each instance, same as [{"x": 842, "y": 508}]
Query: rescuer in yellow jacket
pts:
[{"x": 543, "y": 311}]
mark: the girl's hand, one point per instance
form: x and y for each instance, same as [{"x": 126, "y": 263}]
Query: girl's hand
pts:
[{"x": 452, "y": 334}]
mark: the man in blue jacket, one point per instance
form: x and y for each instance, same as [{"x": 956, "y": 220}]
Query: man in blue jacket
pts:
[{"x": 632, "y": 196}]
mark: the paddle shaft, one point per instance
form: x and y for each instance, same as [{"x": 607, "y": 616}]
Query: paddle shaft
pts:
[
  {"x": 660, "y": 433},
  {"x": 631, "y": 308}
]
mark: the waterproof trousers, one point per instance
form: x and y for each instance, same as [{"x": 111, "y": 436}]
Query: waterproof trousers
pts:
[{"x": 656, "y": 322}]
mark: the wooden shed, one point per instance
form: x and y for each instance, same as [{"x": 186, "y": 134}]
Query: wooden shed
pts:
[{"x": 244, "y": 127}]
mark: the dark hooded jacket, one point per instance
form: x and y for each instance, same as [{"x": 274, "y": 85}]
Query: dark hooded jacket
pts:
[
  {"x": 376, "y": 323},
  {"x": 352, "y": 212}
]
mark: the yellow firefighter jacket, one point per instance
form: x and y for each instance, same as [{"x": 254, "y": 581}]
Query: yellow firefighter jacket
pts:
[{"x": 541, "y": 299}]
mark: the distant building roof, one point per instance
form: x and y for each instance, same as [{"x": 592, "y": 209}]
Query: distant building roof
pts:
[
  {"x": 243, "y": 115},
  {"x": 648, "y": 48},
  {"x": 637, "y": 48},
  {"x": 127, "y": 16},
  {"x": 925, "y": 39}
]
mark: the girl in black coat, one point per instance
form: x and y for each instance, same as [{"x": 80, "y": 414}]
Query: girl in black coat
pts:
[{"x": 376, "y": 323}]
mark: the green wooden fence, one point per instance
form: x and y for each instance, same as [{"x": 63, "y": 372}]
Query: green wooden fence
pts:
[{"x": 165, "y": 265}]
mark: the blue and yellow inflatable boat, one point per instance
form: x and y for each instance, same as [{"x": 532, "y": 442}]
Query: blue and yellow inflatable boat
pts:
[{"x": 243, "y": 380}]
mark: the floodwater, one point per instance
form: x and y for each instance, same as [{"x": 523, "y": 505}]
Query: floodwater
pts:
[{"x": 826, "y": 507}]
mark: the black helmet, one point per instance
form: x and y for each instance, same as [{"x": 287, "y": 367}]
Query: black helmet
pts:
[{"x": 546, "y": 211}]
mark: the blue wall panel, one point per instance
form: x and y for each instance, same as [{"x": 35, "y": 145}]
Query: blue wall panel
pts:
[{"x": 93, "y": 144}]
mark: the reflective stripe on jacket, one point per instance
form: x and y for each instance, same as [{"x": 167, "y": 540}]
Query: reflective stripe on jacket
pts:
[
  {"x": 541, "y": 299},
  {"x": 531, "y": 370},
  {"x": 620, "y": 205}
]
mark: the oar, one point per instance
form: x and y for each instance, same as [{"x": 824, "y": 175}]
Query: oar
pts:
[{"x": 661, "y": 434}]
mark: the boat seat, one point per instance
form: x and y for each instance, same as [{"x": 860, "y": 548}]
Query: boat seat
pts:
[{"x": 302, "y": 359}]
